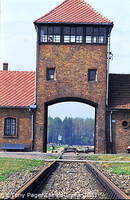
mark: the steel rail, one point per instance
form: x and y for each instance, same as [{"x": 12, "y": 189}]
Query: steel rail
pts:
[
  {"x": 112, "y": 190},
  {"x": 35, "y": 182},
  {"x": 34, "y": 185}
]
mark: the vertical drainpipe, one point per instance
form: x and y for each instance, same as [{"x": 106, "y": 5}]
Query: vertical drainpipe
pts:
[
  {"x": 107, "y": 92},
  {"x": 108, "y": 65},
  {"x": 32, "y": 110},
  {"x": 110, "y": 139},
  {"x": 32, "y": 131}
]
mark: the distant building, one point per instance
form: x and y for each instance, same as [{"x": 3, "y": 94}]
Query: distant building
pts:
[{"x": 72, "y": 65}]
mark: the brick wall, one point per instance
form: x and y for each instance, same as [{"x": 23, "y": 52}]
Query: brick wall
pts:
[
  {"x": 121, "y": 136},
  {"x": 24, "y": 127},
  {"x": 72, "y": 63}
]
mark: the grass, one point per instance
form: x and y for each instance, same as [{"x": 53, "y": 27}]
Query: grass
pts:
[
  {"x": 56, "y": 147},
  {"x": 108, "y": 157},
  {"x": 10, "y": 166},
  {"x": 116, "y": 168}
]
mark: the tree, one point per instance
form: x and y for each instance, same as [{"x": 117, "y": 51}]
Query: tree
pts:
[{"x": 76, "y": 131}]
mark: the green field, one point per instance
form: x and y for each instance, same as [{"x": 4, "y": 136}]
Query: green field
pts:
[
  {"x": 116, "y": 168},
  {"x": 10, "y": 166},
  {"x": 56, "y": 148},
  {"x": 108, "y": 157}
]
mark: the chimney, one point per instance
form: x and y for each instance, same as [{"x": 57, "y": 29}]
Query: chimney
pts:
[{"x": 5, "y": 66}]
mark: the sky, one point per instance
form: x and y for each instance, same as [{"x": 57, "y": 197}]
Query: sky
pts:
[
  {"x": 71, "y": 109},
  {"x": 18, "y": 36}
]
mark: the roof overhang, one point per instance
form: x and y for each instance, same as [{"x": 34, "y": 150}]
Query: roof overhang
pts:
[
  {"x": 109, "y": 109},
  {"x": 72, "y": 23},
  {"x": 19, "y": 107}
]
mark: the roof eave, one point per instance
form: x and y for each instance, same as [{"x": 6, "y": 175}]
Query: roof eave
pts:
[
  {"x": 76, "y": 23},
  {"x": 16, "y": 107},
  {"x": 117, "y": 109}
]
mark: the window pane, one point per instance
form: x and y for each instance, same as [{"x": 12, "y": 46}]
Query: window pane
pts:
[
  {"x": 43, "y": 38},
  {"x": 44, "y": 30},
  {"x": 79, "y": 31},
  {"x": 56, "y": 38},
  {"x": 57, "y": 30},
  {"x": 89, "y": 31},
  {"x": 95, "y": 39},
  {"x": 51, "y": 74},
  {"x": 88, "y": 39},
  {"x": 66, "y": 30},
  {"x": 92, "y": 74},
  {"x": 43, "y": 35},
  {"x": 72, "y": 38},
  {"x": 10, "y": 127},
  {"x": 73, "y": 31},
  {"x": 79, "y": 39},
  {"x": 50, "y": 38},
  {"x": 102, "y": 35},
  {"x": 102, "y": 31},
  {"x": 101, "y": 39},
  {"x": 50, "y": 30},
  {"x": 95, "y": 31},
  {"x": 66, "y": 39}
]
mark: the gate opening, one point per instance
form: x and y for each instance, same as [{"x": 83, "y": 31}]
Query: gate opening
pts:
[{"x": 70, "y": 123}]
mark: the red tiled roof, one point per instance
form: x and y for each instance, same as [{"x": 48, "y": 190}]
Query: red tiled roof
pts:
[
  {"x": 119, "y": 91},
  {"x": 73, "y": 11},
  {"x": 17, "y": 88}
]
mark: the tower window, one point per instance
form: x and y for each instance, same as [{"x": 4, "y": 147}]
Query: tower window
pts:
[
  {"x": 96, "y": 35},
  {"x": 10, "y": 127},
  {"x": 50, "y": 34},
  {"x": 51, "y": 74},
  {"x": 92, "y": 75},
  {"x": 73, "y": 34}
]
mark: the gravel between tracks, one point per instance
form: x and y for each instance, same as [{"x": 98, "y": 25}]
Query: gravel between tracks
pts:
[
  {"x": 120, "y": 180},
  {"x": 15, "y": 181},
  {"x": 72, "y": 181}
]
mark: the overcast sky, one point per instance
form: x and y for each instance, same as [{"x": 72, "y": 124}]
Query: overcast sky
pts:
[
  {"x": 71, "y": 109},
  {"x": 18, "y": 36}
]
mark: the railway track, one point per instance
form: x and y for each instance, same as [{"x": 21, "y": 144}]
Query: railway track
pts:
[{"x": 70, "y": 178}]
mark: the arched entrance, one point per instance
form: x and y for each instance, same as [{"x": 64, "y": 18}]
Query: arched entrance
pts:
[{"x": 72, "y": 100}]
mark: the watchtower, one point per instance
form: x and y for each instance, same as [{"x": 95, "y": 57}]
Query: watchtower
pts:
[{"x": 72, "y": 49}]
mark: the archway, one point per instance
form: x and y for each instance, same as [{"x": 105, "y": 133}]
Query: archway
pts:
[{"x": 86, "y": 114}]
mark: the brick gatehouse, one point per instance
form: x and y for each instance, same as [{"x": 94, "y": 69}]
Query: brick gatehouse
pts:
[{"x": 73, "y": 55}]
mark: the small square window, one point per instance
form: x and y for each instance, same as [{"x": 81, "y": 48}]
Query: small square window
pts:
[
  {"x": 51, "y": 74},
  {"x": 92, "y": 75}
]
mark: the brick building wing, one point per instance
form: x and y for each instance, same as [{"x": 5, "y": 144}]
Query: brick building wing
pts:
[
  {"x": 119, "y": 91},
  {"x": 17, "y": 99},
  {"x": 17, "y": 88}
]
